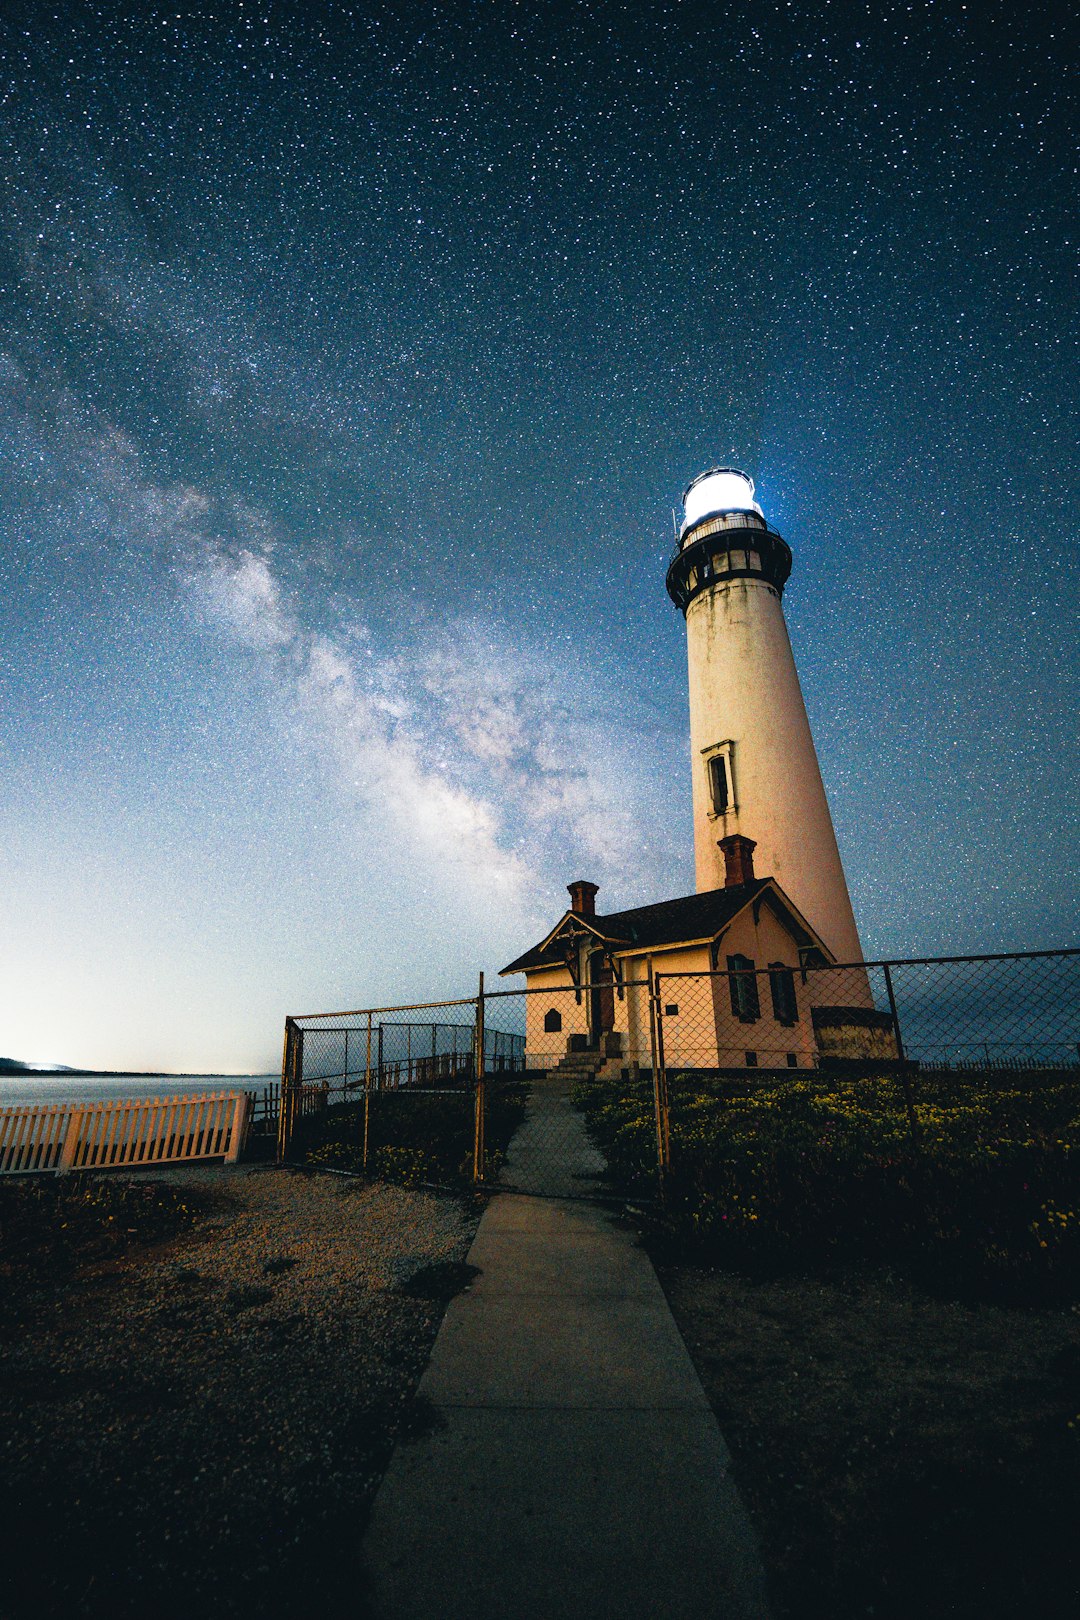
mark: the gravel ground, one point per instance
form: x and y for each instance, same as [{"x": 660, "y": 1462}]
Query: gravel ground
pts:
[{"x": 200, "y": 1425}]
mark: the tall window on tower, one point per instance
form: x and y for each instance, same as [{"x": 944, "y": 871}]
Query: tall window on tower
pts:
[
  {"x": 720, "y": 768},
  {"x": 718, "y": 784}
]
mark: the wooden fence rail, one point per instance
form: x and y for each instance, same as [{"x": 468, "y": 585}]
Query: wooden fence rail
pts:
[{"x": 125, "y": 1133}]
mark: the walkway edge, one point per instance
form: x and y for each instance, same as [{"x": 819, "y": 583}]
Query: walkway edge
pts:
[{"x": 573, "y": 1466}]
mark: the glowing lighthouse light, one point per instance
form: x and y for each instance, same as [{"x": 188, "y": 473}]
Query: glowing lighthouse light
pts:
[{"x": 721, "y": 489}]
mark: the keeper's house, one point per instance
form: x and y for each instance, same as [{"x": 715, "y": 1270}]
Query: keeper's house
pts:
[{"x": 757, "y": 1008}]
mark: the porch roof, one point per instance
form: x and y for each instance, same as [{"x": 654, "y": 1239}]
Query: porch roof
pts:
[{"x": 687, "y": 920}]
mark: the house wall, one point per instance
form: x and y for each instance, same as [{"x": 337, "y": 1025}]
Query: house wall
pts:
[
  {"x": 774, "y": 1043},
  {"x": 706, "y": 1033},
  {"x": 683, "y": 959},
  {"x": 632, "y": 1013},
  {"x": 544, "y": 1048}
]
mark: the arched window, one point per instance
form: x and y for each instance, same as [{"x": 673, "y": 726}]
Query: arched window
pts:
[{"x": 552, "y": 1022}]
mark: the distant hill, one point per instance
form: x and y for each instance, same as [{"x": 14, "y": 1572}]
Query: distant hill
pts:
[{"x": 13, "y": 1066}]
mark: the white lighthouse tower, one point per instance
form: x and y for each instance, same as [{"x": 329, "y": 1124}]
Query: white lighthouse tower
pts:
[{"x": 755, "y": 771}]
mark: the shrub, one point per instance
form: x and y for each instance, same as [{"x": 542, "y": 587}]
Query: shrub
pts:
[
  {"x": 335, "y": 1156},
  {"x": 405, "y": 1167},
  {"x": 70, "y": 1218},
  {"x": 416, "y": 1136},
  {"x": 797, "y": 1172}
]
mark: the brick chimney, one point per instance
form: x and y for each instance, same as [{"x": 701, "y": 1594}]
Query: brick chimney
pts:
[
  {"x": 738, "y": 853},
  {"x": 583, "y": 897}
]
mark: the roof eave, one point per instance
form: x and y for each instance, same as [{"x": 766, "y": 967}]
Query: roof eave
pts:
[
  {"x": 668, "y": 945},
  {"x": 518, "y": 964},
  {"x": 797, "y": 917}
]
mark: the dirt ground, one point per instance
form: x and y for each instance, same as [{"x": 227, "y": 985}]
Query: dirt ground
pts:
[
  {"x": 903, "y": 1456},
  {"x": 195, "y": 1420},
  {"x": 196, "y": 1424}
]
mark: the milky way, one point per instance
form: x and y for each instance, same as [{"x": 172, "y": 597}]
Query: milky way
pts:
[{"x": 352, "y": 362}]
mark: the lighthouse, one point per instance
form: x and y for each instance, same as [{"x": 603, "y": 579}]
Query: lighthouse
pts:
[
  {"x": 748, "y": 961},
  {"x": 755, "y": 769}
]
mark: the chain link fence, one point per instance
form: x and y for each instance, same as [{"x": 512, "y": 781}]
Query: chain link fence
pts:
[
  {"x": 1005, "y": 1024},
  {"x": 491, "y": 1086},
  {"x": 393, "y": 1089},
  {"x": 991, "y": 1013}
]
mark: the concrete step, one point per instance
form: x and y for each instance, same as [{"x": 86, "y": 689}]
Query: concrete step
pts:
[{"x": 577, "y": 1066}]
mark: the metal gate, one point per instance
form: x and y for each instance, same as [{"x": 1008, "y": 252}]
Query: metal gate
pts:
[
  {"x": 491, "y": 1100},
  {"x": 575, "y": 1037}
]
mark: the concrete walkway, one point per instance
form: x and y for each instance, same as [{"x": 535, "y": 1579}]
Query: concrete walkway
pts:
[
  {"x": 574, "y": 1467},
  {"x": 550, "y": 1153}
]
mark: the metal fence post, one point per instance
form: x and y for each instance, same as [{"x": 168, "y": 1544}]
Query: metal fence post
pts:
[
  {"x": 292, "y": 1079},
  {"x": 367, "y": 1089},
  {"x": 905, "y": 1076},
  {"x": 478, "y": 1077},
  {"x": 662, "y": 1085},
  {"x": 660, "y": 1105},
  {"x": 283, "y": 1096}
]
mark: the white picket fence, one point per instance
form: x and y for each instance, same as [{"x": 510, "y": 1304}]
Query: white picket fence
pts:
[{"x": 126, "y": 1133}]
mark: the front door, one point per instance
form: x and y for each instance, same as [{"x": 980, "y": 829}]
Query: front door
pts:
[{"x": 601, "y": 997}]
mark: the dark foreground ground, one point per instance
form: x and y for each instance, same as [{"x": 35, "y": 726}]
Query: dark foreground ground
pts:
[
  {"x": 903, "y": 1456},
  {"x": 203, "y": 1376},
  {"x": 202, "y": 1380}
]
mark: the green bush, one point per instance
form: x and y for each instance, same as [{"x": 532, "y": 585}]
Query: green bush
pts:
[
  {"x": 71, "y": 1218},
  {"x": 405, "y": 1167},
  {"x": 801, "y": 1171},
  {"x": 416, "y": 1137},
  {"x": 336, "y": 1156}
]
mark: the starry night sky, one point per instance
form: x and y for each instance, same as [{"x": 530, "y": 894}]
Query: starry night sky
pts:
[{"x": 352, "y": 359}]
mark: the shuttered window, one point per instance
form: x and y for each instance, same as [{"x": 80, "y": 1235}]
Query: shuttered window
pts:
[
  {"x": 785, "y": 1003},
  {"x": 742, "y": 981}
]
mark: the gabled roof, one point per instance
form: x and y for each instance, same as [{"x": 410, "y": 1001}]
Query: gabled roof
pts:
[{"x": 688, "y": 920}]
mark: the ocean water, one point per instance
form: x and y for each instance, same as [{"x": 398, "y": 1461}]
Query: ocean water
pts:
[{"x": 61, "y": 1088}]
